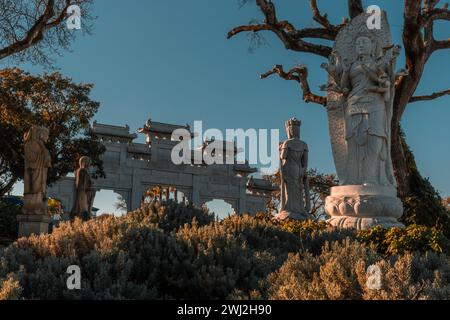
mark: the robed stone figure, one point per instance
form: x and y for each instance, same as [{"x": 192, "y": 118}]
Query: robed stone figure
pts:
[
  {"x": 295, "y": 199},
  {"x": 37, "y": 162},
  {"x": 83, "y": 191}
]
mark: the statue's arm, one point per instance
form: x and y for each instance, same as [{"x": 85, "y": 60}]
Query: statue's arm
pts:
[
  {"x": 372, "y": 73},
  {"x": 283, "y": 152},
  {"x": 283, "y": 158},
  {"x": 77, "y": 179},
  {"x": 305, "y": 158},
  {"x": 31, "y": 155},
  {"x": 345, "y": 80}
]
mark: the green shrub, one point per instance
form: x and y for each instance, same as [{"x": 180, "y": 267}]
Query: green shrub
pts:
[
  {"x": 314, "y": 234},
  {"x": 413, "y": 238},
  {"x": 9, "y": 227},
  {"x": 170, "y": 215}
]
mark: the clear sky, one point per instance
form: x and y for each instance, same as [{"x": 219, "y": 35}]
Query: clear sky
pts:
[{"x": 170, "y": 60}]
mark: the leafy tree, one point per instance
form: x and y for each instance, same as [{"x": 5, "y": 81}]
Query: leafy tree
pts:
[
  {"x": 419, "y": 46},
  {"x": 52, "y": 101}
]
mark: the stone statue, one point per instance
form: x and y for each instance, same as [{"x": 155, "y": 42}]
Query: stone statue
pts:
[
  {"x": 83, "y": 191},
  {"x": 295, "y": 201},
  {"x": 360, "y": 101},
  {"x": 37, "y": 162}
]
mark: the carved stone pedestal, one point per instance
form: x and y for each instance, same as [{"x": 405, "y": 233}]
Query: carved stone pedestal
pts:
[
  {"x": 283, "y": 215},
  {"x": 363, "y": 207},
  {"x": 32, "y": 224}
]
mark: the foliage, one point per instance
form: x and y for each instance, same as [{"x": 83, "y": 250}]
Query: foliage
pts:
[
  {"x": 10, "y": 288},
  {"x": 175, "y": 251},
  {"x": 131, "y": 257},
  {"x": 302, "y": 228},
  {"x": 9, "y": 226},
  {"x": 340, "y": 272},
  {"x": 414, "y": 238},
  {"x": 170, "y": 215},
  {"x": 52, "y": 101}
]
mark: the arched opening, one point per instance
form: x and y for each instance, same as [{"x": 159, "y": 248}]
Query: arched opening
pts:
[
  {"x": 164, "y": 193},
  {"x": 108, "y": 202},
  {"x": 221, "y": 208}
]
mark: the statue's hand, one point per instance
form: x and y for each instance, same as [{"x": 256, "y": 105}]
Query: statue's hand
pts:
[{"x": 346, "y": 64}]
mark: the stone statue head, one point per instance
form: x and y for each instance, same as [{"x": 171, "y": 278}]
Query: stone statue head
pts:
[
  {"x": 37, "y": 134},
  {"x": 293, "y": 128},
  {"x": 364, "y": 46},
  {"x": 43, "y": 134},
  {"x": 367, "y": 44},
  {"x": 84, "y": 162}
]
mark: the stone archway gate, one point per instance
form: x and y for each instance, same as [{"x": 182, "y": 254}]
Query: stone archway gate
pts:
[{"x": 132, "y": 168}]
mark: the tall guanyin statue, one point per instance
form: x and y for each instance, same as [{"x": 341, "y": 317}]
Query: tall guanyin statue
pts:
[{"x": 360, "y": 101}]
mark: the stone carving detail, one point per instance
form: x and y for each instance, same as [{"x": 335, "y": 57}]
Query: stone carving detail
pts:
[
  {"x": 37, "y": 162},
  {"x": 84, "y": 194},
  {"x": 360, "y": 100},
  {"x": 295, "y": 202}
]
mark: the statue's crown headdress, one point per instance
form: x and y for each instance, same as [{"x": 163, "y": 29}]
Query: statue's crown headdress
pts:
[{"x": 293, "y": 122}]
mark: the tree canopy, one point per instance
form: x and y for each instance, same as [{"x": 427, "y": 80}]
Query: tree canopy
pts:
[{"x": 52, "y": 101}]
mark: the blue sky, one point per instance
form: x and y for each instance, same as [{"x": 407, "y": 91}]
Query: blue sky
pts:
[{"x": 170, "y": 60}]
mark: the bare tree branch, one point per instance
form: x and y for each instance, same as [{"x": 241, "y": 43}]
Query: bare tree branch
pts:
[
  {"x": 322, "y": 19},
  {"x": 299, "y": 74},
  {"x": 34, "y": 30},
  {"x": 416, "y": 53},
  {"x": 431, "y": 96},
  {"x": 355, "y": 8},
  {"x": 34, "y": 35},
  {"x": 441, "y": 44},
  {"x": 60, "y": 17},
  {"x": 431, "y": 14},
  {"x": 288, "y": 34},
  {"x": 412, "y": 35}
]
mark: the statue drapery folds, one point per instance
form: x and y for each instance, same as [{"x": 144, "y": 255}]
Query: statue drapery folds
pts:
[{"x": 37, "y": 162}]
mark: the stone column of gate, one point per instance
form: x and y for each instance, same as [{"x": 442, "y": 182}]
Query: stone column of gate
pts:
[{"x": 359, "y": 102}]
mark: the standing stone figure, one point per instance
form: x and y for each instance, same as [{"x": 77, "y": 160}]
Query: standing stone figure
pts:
[
  {"x": 83, "y": 191},
  {"x": 35, "y": 219},
  {"x": 295, "y": 201},
  {"x": 361, "y": 90},
  {"x": 37, "y": 162}
]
